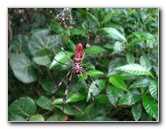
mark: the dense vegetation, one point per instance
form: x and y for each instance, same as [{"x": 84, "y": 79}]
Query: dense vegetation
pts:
[{"x": 122, "y": 59}]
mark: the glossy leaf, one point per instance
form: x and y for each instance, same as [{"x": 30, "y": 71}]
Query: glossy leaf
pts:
[
  {"x": 151, "y": 106},
  {"x": 114, "y": 34},
  {"x": 43, "y": 57},
  {"x": 41, "y": 40},
  {"x": 95, "y": 73},
  {"x": 119, "y": 46},
  {"x": 113, "y": 94},
  {"x": 16, "y": 118},
  {"x": 75, "y": 97},
  {"x": 24, "y": 106},
  {"x": 145, "y": 62},
  {"x": 107, "y": 18},
  {"x": 95, "y": 50},
  {"x": 136, "y": 111},
  {"x": 117, "y": 81},
  {"x": 130, "y": 58},
  {"x": 23, "y": 68},
  {"x": 37, "y": 117},
  {"x": 153, "y": 88},
  {"x": 60, "y": 57},
  {"x": 44, "y": 103},
  {"x": 129, "y": 99},
  {"x": 134, "y": 69},
  {"x": 143, "y": 82}
]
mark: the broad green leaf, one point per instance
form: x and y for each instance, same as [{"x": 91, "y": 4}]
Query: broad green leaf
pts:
[
  {"x": 23, "y": 68},
  {"x": 75, "y": 97},
  {"x": 37, "y": 117},
  {"x": 94, "y": 89},
  {"x": 101, "y": 118},
  {"x": 94, "y": 73},
  {"x": 43, "y": 57},
  {"x": 129, "y": 99},
  {"x": 68, "y": 110},
  {"x": 44, "y": 103},
  {"x": 107, "y": 18},
  {"x": 146, "y": 35},
  {"x": 95, "y": 50},
  {"x": 145, "y": 62},
  {"x": 24, "y": 106},
  {"x": 76, "y": 31},
  {"x": 20, "y": 43},
  {"x": 58, "y": 116},
  {"x": 117, "y": 81},
  {"x": 153, "y": 88},
  {"x": 113, "y": 94},
  {"x": 47, "y": 84},
  {"x": 130, "y": 58},
  {"x": 16, "y": 118},
  {"x": 57, "y": 101},
  {"x": 93, "y": 17},
  {"x": 117, "y": 62},
  {"x": 119, "y": 46},
  {"x": 101, "y": 98},
  {"x": 136, "y": 111},
  {"x": 134, "y": 69},
  {"x": 151, "y": 106},
  {"x": 114, "y": 34},
  {"x": 60, "y": 57},
  {"x": 143, "y": 82},
  {"x": 41, "y": 40}
]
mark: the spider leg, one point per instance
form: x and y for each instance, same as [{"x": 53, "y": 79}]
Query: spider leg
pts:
[
  {"x": 97, "y": 86},
  {"x": 60, "y": 45},
  {"x": 91, "y": 94},
  {"x": 67, "y": 87},
  {"x": 56, "y": 88}
]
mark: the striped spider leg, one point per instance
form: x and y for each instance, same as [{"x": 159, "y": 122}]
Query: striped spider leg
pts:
[{"x": 77, "y": 69}]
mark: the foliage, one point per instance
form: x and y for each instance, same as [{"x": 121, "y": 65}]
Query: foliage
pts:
[{"x": 122, "y": 59}]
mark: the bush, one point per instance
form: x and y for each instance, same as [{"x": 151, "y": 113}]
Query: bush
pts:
[{"x": 122, "y": 59}]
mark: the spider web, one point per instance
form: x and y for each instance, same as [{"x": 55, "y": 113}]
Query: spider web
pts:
[{"x": 69, "y": 40}]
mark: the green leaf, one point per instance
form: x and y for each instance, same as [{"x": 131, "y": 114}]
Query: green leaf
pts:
[
  {"x": 117, "y": 81},
  {"x": 16, "y": 118},
  {"x": 101, "y": 98},
  {"x": 143, "y": 82},
  {"x": 68, "y": 110},
  {"x": 95, "y": 50},
  {"x": 24, "y": 106},
  {"x": 93, "y": 17},
  {"x": 94, "y": 73},
  {"x": 57, "y": 101},
  {"x": 44, "y": 103},
  {"x": 23, "y": 68},
  {"x": 145, "y": 62},
  {"x": 150, "y": 106},
  {"x": 145, "y": 35},
  {"x": 60, "y": 57},
  {"x": 94, "y": 89},
  {"x": 107, "y": 18},
  {"x": 130, "y": 58},
  {"x": 153, "y": 88},
  {"x": 134, "y": 69},
  {"x": 113, "y": 94},
  {"x": 129, "y": 99},
  {"x": 47, "y": 84},
  {"x": 41, "y": 40},
  {"x": 37, "y": 117},
  {"x": 115, "y": 63},
  {"x": 75, "y": 97},
  {"x": 42, "y": 57},
  {"x": 136, "y": 111},
  {"x": 119, "y": 46},
  {"x": 114, "y": 34},
  {"x": 20, "y": 43}
]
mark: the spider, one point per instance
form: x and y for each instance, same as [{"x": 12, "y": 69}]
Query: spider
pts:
[{"x": 77, "y": 69}]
